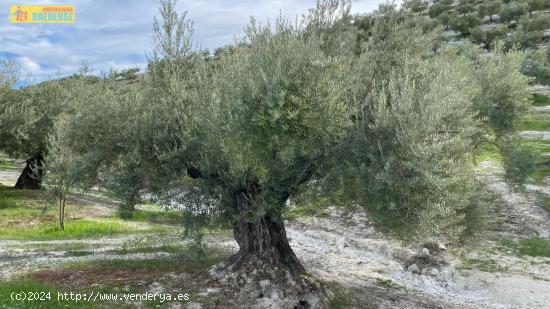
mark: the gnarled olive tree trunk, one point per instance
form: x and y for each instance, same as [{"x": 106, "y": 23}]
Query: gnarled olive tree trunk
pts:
[
  {"x": 31, "y": 177},
  {"x": 262, "y": 239}
]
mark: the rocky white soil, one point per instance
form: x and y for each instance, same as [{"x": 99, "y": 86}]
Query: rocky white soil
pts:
[
  {"x": 541, "y": 109},
  {"x": 535, "y": 134},
  {"x": 346, "y": 250},
  {"x": 8, "y": 177}
]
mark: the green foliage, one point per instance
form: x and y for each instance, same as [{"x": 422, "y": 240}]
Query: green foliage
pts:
[
  {"x": 518, "y": 163},
  {"x": 539, "y": 22},
  {"x": 94, "y": 144},
  {"x": 401, "y": 158},
  {"x": 536, "y": 5},
  {"x": 416, "y": 6},
  {"x": 535, "y": 247},
  {"x": 128, "y": 74},
  {"x": 388, "y": 120},
  {"x": 488, "y": 37},
  {"x": 540, "y": 100},
  {"x": 464, "y": 24},
  {"x": 475, "y": 215},
  {"x": 505, "y": 91},
  {"x": 484, "y": 264},
  {"x": 537, "y": 65},
  {"x": 513, "y": 11},
  {"x": 489, "y": 8},
  {"x": 437, "y": 9},
  {"x": 536, "y": 123},
  {"x": 465, "y": 6},
  {"x": 531, "y": 247},
  {"x": 526, "y": 38}
]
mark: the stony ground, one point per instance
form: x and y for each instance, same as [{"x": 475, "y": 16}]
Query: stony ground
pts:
[
  {"x": 359, "y": 265},
  {"x": 348, "y": 254}
]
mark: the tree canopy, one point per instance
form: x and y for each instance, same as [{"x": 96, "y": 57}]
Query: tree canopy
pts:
[{"x": 364, "y": 106}]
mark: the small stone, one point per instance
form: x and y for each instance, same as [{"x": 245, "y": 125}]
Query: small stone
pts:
[
  {"x": 267, "y": 288},
  {"x": 212, "y": 290},
  {"x": 340, "y": 244},
  {"x": 194, "y": 305},
  {"x": 413, "y": 268},
  {"x": 441, "y": 247},
  {"x": 430, "y": 271},
  {"x": 425, "y": 252},
  {"x": 426, "y": 271}
]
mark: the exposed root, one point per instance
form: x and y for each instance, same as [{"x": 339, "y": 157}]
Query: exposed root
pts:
[{"x": 269, "y": 286}]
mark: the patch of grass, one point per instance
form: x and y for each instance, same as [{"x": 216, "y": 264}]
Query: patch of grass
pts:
[
  {"x": 535, "y": 123},
  {"x": 540, "y": 148},
  {"x": 540, "y": 174},
  {"x": 12, "y": 198},
  {"x": 544, "y": 202},
  {"x": 171, "y": 217},
  {"x": 531, "y": 247},
  {"x": 341, "y": 299},
  {"x": 536, "y": 145},
  {"x": 483, "y": 264},
  {"x": 385, "y": 283},
  {"x": 535, "y": 247},
  {"x": 73, "y": 229},
  {"x": 540, "y": 100},
  {"x": 8, "y": 165},
  {"x": 487, "y": 152}
]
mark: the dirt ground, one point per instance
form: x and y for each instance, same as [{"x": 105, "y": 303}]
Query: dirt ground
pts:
[{"x": 363, "y": 267}]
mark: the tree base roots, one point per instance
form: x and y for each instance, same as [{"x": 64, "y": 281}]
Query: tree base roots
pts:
[{"x": 268, "y": 286}]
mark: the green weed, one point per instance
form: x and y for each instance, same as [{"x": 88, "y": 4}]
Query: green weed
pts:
[
  {"x": 540, "y": 100},
  {"x": 535, "y": 123},
  {"x": 73, "y": 229}
]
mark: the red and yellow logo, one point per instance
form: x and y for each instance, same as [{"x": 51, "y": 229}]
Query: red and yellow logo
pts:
[{"x": 42, "y": 14}]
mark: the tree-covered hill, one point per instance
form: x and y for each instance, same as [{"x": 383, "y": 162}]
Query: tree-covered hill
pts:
[{"x": 521, "y": 23}]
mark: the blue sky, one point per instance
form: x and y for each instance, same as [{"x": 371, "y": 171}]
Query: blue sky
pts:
[{"x": 117, "y": 33}]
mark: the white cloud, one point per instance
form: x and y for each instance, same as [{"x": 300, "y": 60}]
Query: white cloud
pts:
[
  {"x": 28, "y": 65},
  {"x": 117, "y": 34}
]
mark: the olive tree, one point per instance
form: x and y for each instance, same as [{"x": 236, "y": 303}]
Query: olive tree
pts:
[
  {"x": 537, "y": 65},
  {"x": 489, "y": 8},
  {"x": 93, "y": 144},
  {"x": 28, "y": 118},
  {"x": 285, "y": 108},
  {"x": 251, "y": 128},
  {"x": 513, "y": 11},
  {"x": 277, "y": 113},
  {"x": 9, "y": 73},
  {"x": 489, "y": 36},
  {"x": 28, "y": 115},
  {"x": 504, "y": 96}
]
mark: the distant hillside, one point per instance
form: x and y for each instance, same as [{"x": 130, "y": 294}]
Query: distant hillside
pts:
[{"x": 523, "y": 23}]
